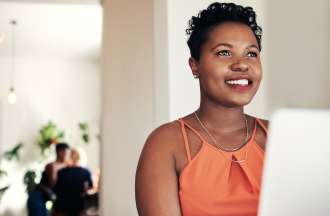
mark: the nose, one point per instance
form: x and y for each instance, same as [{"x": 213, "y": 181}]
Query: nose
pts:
[{"x": 239, "y": 66}]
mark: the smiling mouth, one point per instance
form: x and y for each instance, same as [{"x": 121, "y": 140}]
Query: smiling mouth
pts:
[{"x": 241, "y": 85}]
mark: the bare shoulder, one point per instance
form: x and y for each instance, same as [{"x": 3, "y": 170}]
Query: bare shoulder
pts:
[
  {"x": 156, "y": 182},
  {"x": 49, "y": 166},
  {"x": 164, "y": 137},
  {"x": 161, "y": 146},
  {"x": 265, "y": 122},
  {"x": 168, "y": 128},
  {"x": 261, "y": 134}
]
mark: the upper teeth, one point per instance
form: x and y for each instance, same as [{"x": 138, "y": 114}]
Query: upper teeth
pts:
[{"x": 242, "y": 82}]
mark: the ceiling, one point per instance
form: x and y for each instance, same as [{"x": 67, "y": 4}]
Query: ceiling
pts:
[
  {"x": 68, "y": 31},
  {"x": 56, "y": 1}
]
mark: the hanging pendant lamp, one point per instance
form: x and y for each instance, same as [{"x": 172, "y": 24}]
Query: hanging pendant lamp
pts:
[{"x": 12, "y": 94}]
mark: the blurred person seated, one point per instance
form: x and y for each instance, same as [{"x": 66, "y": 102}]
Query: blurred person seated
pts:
[
  {"x": 43, "y": 192},
  {"x": 71, "y": 187}
]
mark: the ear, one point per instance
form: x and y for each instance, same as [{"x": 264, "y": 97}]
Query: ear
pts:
[{"x": 193, "y": 66}]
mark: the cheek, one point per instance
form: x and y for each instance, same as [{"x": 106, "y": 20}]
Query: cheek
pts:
[
  {"x": 212, "y": 75},
  {"x": 257, "y": 68},
  {"x": 214, "y": 69}
]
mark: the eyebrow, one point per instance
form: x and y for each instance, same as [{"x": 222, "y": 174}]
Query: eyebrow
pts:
[
  {"x": 231, "y": 46},
  {"x": 222, "y": 44}
]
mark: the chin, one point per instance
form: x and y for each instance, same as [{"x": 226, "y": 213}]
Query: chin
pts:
[
  {"x": 240, "y": 102},
  {"x": 232, "y": 100}
]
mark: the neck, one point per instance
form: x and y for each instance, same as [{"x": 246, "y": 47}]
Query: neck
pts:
[{"x": 221, "y": 118}]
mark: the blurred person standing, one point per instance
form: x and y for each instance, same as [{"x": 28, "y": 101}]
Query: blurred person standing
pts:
[
  {"x": 44, "y": 190},
  {"x": 72, "y": 184}
]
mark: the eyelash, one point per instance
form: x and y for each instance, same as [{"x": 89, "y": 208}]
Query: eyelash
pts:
[
  {"x": 254, "y": 54},
  {"x": 221, "y": 53}
]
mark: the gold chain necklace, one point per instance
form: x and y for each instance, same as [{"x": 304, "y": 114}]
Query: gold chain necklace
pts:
[{"x": 221, "y": 147}]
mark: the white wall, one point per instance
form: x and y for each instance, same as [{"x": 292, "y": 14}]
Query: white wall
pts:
[
  {"x": 128, "y": 99},
  {"x": 299, "y": 54},
  {"x": 57, "y": 78}
]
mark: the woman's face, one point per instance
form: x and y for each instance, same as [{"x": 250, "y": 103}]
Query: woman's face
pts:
[{"x": 229, "y": 67}]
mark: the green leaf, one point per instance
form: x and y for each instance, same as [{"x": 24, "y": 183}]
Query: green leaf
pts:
[
  {"x": 49, "y": 134},
  {"x": 30, "y": 180},
  {"x": 61, "y": 134},
  {"x": 3, "y": 189},
  {"x": 3, "y": 173},
  {"x": 83, "y": 126},
  {"x": 14, "y": 152},
  {"x": 85, "y": 138}
]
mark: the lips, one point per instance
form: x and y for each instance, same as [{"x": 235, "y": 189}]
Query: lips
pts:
[{"x": 241, "y": 84}]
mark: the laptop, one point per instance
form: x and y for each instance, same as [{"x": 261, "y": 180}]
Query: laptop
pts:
[{"x": 296, "y": 178}]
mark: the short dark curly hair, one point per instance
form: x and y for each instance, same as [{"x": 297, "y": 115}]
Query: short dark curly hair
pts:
[
  {"x": 61, "y": 147},
  {"x": 217, "y": 13}
]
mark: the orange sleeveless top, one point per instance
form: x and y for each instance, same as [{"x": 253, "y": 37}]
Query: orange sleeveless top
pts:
[{"x": 213, "y": 185}]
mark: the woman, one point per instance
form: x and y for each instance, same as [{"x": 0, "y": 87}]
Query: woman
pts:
[{"x": 210, "y": 161}]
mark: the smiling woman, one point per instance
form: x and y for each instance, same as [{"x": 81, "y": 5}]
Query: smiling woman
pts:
[
  {"x": 230, "y": 58},
  {"x": 210, "y": 161}
]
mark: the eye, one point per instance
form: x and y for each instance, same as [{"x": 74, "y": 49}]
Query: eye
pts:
[
  {"x": 223, "y": 53},
  {"x": 252, "y": 54}
]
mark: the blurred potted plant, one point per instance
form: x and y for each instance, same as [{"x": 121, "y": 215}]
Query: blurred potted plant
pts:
[
  {"x": 48, "y": 135},
  {"x": 30, "y": 180},
  {"x": 9, "y": 155},
  {"x": 84, "y": 131}
]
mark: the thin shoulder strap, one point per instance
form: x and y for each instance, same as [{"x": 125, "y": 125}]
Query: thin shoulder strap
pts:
[
  {"x": 254, "y": 128},
  {"x": 185, "y": 139},
  {"x": 193, "y": 130},
  {"x": 262, "y": 125}
]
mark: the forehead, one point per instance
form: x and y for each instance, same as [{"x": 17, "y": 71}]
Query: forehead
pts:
[{"x": 234, "y": 33}]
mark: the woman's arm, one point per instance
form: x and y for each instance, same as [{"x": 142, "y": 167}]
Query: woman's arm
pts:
[{"x": 156, "y": 179}]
